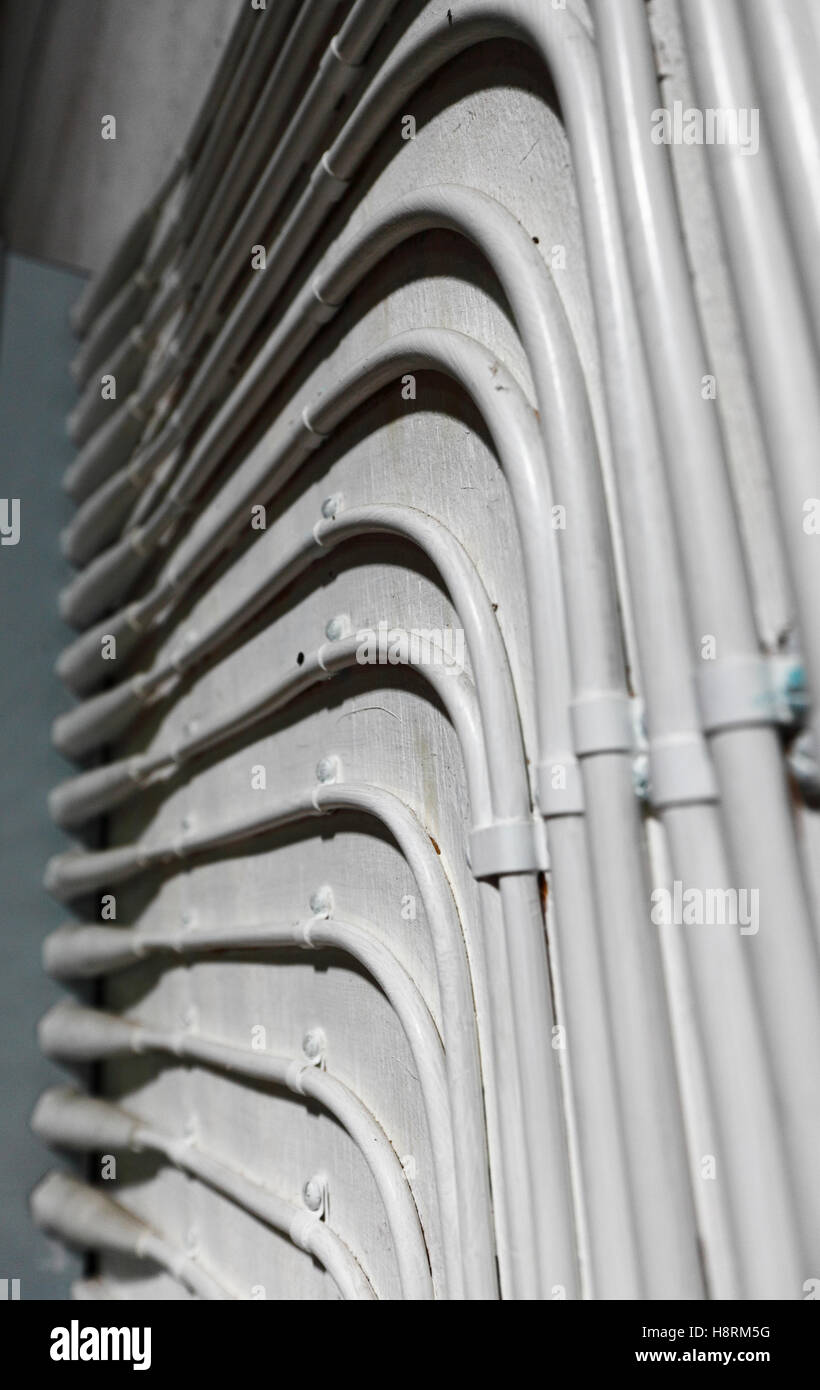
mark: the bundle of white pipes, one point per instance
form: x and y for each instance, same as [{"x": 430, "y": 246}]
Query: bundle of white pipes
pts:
[{"x": 448, "y": 608}]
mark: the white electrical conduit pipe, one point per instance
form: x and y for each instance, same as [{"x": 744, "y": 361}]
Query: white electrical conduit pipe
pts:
[
  {"x": 495, "y": 231},
  {"x": 100, "y": 521},
  {"x": 70, "y": 1032},
  {"x": 492, "y": 1003},
  {"x": 85, "y": 952},
  {"x": 329, "y": 83},
  {"x": 327, "y": 185},
  {"x": 564, "y": 44},
  {"x": 600, "y": 708},
  {"x": 82, "y": 1216},
  {"x": 77, "y": 872},
  {"x": 539, "y": 317},
  {"x": 254, "y": 38},
  {"x": 206, "y": 225},
  {"x": 125, "y": 306},
  {"x": 698, "y": 477},
  {"x": 100, "y": 783},
  {"x": 105, "y": 787},
  {"x": 104, "y": 947},
  {"x": 214, "y": 197},
  {"x": 632, "y": 404},
  {"x": 786, "y": 52},
  {"x": 521, "y": 453},
  {"x": 274, "y": 458},
  {"x": 515, "y": 433},
  {"x": 508, "y": 778},
  {"x": 681, "y": 771},
  {"x": 246, "y": 90},
  {"x": 512, "y": 424},
  {"x": 93, "y": 793},
  {"x": 457, "y": 694},
  {"x": 569, "y": 438},
  {"x": 682, "y": 774},
  {"x": 738, "y": 706},
  {"x": 101, "y": 289},
  {"x": 676, "y": 743},
  {"x": 337, "y": 73},
  {"x": 91, "y": 409},
  {"x": 65, "y": 1118},
  {"x": 118, "y": 320},
  {"x": 757, "y": 799},
  {"x": 782, "y": 352}
]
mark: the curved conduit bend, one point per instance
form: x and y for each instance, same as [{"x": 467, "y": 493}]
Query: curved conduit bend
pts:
[
  {"x": 71, "y": 1032},
  {"x": 603, "y": 734},
  {"x": 92, "y": 408},
  {"x": 515, "y": 433},
  {"x": 339, "y": 70},
  {"x": 564, "y": 44},
  {"x": 509, "y": 250},
  {"x": 207, "y": 266},
  {"x": 87, "y": 951},
  {"x": 80, "y": 1215},
  {"x": 517, "y": 880},
  {"x": 77, "y": 872},
  {"x": 114, "y": 782},
  {"x": 209, "y": 202},
  {"x": 103, "y": 288},
  {"x": 612, "y": 734},
  {"x": 274, "y": 459},
  {"x": 109, "y": 785},
  {"x": 199, "y": 159},
  {"x": 757, "y": 1196},
  {"x": 678, "y": 710},
  {"x": 560, "y": 392},
  {"x": 101, "y": 789},
  {"x": 65, "y": 1118},
  {"x": 92, "y": 793},
  {"x": 686, "y": 810}
]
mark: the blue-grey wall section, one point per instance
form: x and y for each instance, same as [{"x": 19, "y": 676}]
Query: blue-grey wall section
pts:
[{"x": 35, "y": 395}]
